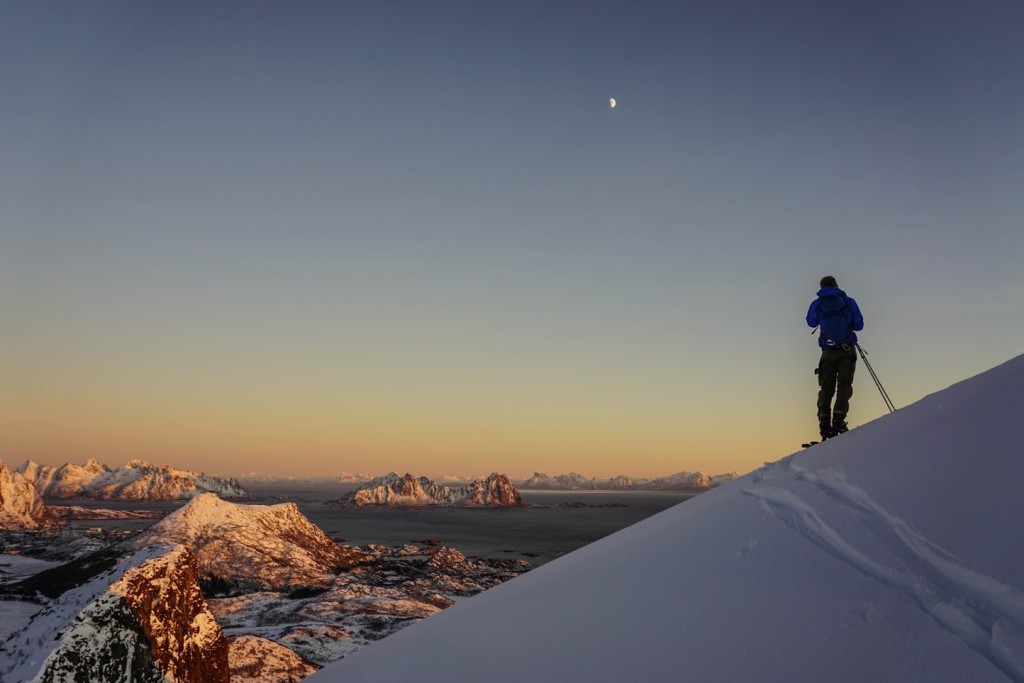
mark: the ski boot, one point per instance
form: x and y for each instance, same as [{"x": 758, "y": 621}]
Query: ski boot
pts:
[
  {"x": 839, "y": 423},
  {"x": 825, "y": 427}
]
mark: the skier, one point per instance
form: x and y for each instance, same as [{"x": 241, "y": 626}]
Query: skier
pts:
[{"x": 839, "y": 319}]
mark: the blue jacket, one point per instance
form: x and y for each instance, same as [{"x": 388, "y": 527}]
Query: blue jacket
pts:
[{"x": 853, "y": 315}]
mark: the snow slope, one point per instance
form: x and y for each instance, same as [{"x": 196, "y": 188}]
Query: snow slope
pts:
[{"x": 893, "y": 553}]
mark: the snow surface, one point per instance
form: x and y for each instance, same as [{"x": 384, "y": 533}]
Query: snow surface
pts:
[
  {"x": 893, "y": 553},
  {"x": 15, "y": 615},
  {"x": 17, "y": 567}
]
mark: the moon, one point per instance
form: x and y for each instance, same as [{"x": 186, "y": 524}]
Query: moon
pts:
[{"x": 612, "y": 102}]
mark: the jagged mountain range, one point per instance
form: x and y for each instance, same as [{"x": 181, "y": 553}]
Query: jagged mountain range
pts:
[
  {"x": 135, "y": 480},
  {"x": 680, "y": 481},
  {"x": 407, "y": 490}
]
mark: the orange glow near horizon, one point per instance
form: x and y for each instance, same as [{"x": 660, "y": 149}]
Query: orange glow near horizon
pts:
[{"x": 317, "y": 437}]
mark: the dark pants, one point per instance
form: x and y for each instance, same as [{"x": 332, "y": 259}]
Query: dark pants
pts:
[{"x": 835, "y": 377}]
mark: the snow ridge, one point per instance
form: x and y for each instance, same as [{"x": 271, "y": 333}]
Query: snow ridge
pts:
[{"x": 987, "y": 615}]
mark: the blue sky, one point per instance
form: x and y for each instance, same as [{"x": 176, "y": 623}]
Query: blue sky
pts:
[{"x": 374, "y": 236}]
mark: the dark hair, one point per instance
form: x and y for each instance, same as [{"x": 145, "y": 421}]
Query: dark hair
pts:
[{"x": 828, "y": 281}]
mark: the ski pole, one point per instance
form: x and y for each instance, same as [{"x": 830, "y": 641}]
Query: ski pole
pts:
[{"x": 885, "y": 396}]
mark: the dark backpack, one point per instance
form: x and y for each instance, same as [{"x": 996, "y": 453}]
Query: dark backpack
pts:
[{"x": 833, "y": 312}]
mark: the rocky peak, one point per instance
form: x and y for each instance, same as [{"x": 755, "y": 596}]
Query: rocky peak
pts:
[
  {"x": 28, "y": 468},
  {"x": 621, "y": 481},
  {"x": 395, "y": 489},
  {"x": 93, "y": 465},
  {"x": 257, "y": 660},
  {"x": 494, "y": 491},
  {"x": 448, "y": 560},
  {"x": 184, "y": 638}
]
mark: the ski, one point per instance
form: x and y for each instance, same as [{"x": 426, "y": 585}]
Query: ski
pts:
[{"x": 808, "y": 444}]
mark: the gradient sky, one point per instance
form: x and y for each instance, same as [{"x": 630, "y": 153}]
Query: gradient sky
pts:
[{"x": 306, "y": 238}]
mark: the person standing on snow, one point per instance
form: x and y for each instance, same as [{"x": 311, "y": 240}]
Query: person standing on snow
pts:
[{"x": 839, "y": 319}]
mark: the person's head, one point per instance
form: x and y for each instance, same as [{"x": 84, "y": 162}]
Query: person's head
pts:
[{"x": 828, "y": 281}]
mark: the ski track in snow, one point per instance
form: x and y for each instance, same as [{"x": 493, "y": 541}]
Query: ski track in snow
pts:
[{"x": 987, "y": 615}]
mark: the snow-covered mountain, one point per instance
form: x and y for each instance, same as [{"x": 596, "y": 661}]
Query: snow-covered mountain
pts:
[
  {"x": 681, "y": 481},
  {"x": 620, "y": 482},
  {"x": 349, "y": 478},
  {"x": 493, "y": 491},
  {"x": 273, "y": 546},
  {"x": 406, "y": 490},
  {"x": 890, "y": 554},
  {"x": 143, "y": 620},
  {"x": 20, "y": 506},
  {"x": 135, "y": 480},
  {"x": 560, "y": 482},
  {"x": 689, "y": 481}
]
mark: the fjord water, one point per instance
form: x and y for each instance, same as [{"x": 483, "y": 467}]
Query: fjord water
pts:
[{"x": 552, "y": 524}]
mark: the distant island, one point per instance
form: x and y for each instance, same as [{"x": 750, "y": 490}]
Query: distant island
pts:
[
  {"x": 407, "y": 490},
  {"x": 680, "y": 481}
]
